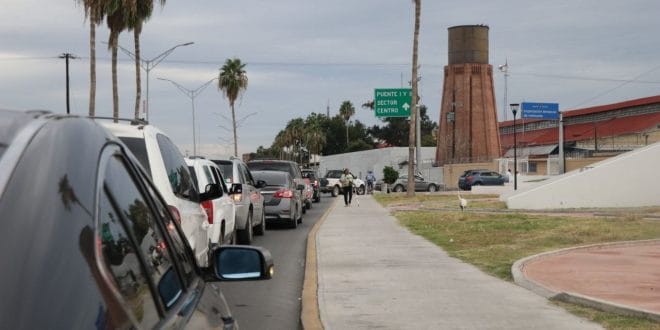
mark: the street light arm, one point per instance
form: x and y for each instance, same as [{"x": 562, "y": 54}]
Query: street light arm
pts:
[
  {"x": 156, "y": 60},
  {"x": 187, "y": 92}
]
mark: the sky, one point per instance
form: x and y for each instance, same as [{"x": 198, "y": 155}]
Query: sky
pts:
[{"x": 305, "y": 56}]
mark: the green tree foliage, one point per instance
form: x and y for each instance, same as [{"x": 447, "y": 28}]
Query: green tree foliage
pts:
[
  {"x": 395, "y": 130},
  {"x": 233, "y": 81}
]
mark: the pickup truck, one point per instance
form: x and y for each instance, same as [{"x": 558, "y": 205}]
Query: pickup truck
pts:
[{"x": 330, "y": 183}]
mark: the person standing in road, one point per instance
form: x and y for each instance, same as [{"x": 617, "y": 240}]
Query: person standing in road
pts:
[
  {"x": 346, "y": 181},
  {"x": 509, "y": 176}
]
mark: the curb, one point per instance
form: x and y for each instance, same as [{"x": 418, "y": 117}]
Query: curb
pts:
[
  {"x": 576, "y": 298},
  {"x": 310, "y": 315}
]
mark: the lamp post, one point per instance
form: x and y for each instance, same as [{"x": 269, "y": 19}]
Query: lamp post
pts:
[
  {"x": 514, "y": 110},
  {"x": 505, "y": 68},
  {"x": 192, "y": 94},
  {"x": 147, "y": 65}
]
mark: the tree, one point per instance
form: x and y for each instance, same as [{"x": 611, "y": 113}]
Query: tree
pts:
[
  {"x": 139, "y": 12},
  {"x": 94, "y": 12},
  {"x": 232, "y": 81},
  {"x": 346, "y": 111},
  {"x": 116, "y": 20},
  {"x": 411, "y": 134}
]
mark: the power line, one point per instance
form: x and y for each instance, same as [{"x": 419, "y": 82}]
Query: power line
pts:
[{"x": 584, "y": 78}]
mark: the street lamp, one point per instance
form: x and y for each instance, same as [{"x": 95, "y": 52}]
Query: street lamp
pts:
[
  {"x": 192, "y": 94},
  {"x": 505, "y": 68},
  {"x": 514, "y": 110},
  {"x": 147, "y": 65}
]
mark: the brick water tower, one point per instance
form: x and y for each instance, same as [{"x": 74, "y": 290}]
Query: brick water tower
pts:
[{"x": 468, "y": 118}]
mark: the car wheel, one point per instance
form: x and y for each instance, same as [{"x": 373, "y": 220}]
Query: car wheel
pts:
[
  {"x": 244, "y": 236},
  {"x": 398, "y": 188},
  {"x": 335, "y": 191},
  {"x": 261, "y": 228},
  {"x": 309, "y": 204},
  {"x": 360, "y": 190},
  {"x": 433, "y": 188},
  {"x": 294, "y": 222}
]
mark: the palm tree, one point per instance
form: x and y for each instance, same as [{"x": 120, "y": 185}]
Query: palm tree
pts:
[
  {"x": 346, "y": 111},
  {"x": 95, "y": 12},
  {"x": 116, "y": 20},
  {"x": 413, "y": 113},
  {"x": 232, "y": 81},
  {"x": 138, "y": 14}
]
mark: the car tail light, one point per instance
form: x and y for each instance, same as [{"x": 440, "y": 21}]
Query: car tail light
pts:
[
  {"x": 175, "y": 212},
  {"x": 237, "y": 197},
  {"x": 284, "y": 193},
  {"x": 208, "y": 207}
]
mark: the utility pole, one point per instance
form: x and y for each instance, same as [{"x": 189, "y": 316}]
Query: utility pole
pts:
[{"x": 67, "y": 56}]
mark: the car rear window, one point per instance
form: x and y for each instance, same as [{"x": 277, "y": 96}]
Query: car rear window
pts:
[
  {"x": 226, "y": 169},
  {"x": 271, "y": 166},
  {"x": 139, "y": 148},
  {"x": 271, "y": 178}
]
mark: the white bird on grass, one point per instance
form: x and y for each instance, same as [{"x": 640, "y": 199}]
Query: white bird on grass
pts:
[{"x": 462, "y": 202}]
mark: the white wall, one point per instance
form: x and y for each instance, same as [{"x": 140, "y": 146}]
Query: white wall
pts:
[
  {"x": 628, "y": 180},
  {"x": 360, "y": 162}
]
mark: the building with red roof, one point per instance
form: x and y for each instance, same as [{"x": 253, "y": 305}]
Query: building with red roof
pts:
[{"x": 603, "y": 130}]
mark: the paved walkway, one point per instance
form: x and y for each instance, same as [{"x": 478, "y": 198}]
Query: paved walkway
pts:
[{"x": 373, "y": 273}]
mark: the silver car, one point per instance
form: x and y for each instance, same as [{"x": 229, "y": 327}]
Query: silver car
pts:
[{"x": 282, "y": 200}]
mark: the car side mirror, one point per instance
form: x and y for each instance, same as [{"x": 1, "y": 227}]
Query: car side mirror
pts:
[
  {"x": 211, "y": 191},
  {"x": 236, "y": 188},
  {"x": 260, "y": 184},
  {"x": 241, "y": 263}
]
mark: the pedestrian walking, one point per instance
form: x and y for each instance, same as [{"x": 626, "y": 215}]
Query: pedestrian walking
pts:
[
  {"x": 509, "y": 176},
  {"x": 346, "y": 181}
]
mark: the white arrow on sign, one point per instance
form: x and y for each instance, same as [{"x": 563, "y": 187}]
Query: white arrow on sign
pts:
[{"x": 405, "y": 106}]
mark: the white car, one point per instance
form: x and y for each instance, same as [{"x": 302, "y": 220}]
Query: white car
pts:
[
  {"x": 220, "y": 211},
  {"x": 163, "y": 161}
]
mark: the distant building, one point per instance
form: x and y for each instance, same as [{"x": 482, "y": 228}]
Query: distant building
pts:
[{"x": 599, "y": 131}]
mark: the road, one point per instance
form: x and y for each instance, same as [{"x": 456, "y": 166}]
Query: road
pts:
[{"x": 276, "y": 304}]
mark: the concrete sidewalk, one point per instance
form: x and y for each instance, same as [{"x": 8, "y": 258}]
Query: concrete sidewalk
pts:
[{"x": 373, "y": 273}]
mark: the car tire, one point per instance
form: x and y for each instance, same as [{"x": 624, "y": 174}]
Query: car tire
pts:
[
  {"x": 398, "y": 188},
  {"x": 260, "y": 229},
  {"x": 244, "y": 236},
  {"x": 335, "y": 191},
  {"x": 361, "y": 190},
  {"x": 432, "y": 188},
  {"x": 293, "y": 223}
]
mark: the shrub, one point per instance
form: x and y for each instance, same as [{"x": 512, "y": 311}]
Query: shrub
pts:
[{"x": 390, "y": 174}]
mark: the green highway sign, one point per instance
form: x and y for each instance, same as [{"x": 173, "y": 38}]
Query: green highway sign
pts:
[{"x": 392, "y": 102}]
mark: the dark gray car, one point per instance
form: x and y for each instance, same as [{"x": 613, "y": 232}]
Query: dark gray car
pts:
[
  {"x": 480, "y": 178},
  {"x": 281, "y": 197},
  {"x": 89, "y": 243}
]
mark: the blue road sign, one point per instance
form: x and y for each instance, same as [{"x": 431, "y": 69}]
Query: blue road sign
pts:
[{"x": 540, "y": 110}]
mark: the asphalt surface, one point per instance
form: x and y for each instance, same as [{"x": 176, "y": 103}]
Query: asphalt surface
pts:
[
  {"x": 373, "y": 273},
  {"x": 276, "y": 303}
]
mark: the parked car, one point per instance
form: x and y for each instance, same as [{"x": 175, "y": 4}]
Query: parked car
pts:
[
  {"x": 330, "y": 183},
  {"x": 220, "y": 211},
  {"x": 249, "y": 202},
  {"x": 165, "y": 165},
  {"x": 280, "y": 194},
  {"x": 472, "y": 178},
  {"x": 310, "y": 175},
  {"x": 95, "y": 246},
  {"x": 401, "y": 184},
  {"x": 285, "y": 166}
]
